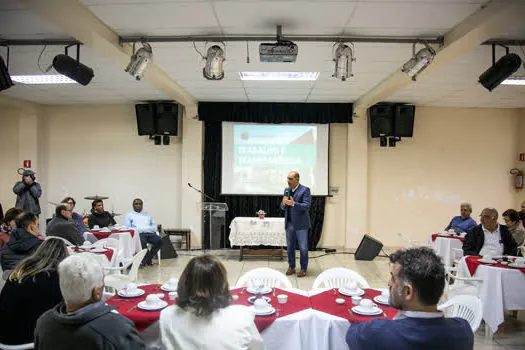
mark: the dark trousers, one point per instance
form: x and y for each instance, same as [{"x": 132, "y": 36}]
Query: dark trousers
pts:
[{"x": 154, "y": 240}]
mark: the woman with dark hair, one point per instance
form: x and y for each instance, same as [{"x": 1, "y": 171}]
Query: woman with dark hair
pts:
[
  {"x": 202, "y": 317},
  {"x": 77, "y": 219},
  {"x": 31, "y": 289},
  {"x": 7, "y": 225},
  {"x": 513, "y": 222}
]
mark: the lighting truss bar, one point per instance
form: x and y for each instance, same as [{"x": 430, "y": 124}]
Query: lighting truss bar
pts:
[
  {"x": 40, "y": 42},
  {"x": 504, "y": 42}
]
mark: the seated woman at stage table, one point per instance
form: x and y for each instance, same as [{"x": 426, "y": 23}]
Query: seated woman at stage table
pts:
[{"x": 202, "y": 317}]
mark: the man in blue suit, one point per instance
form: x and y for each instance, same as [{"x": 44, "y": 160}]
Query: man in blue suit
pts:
[
  {"x": 417, "y": 280},
  {"x": 296, "y": 203}
]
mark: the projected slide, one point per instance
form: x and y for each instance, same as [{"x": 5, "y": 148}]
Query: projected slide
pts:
[{"x": 257, "y": 157}]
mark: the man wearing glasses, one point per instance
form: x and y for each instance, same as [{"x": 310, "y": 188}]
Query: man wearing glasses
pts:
[
  {"x": 62, "y": 226},
  {"x": 296, "y": 203},
  {"x": 489, "y": 238},
  {"x": 78, "y": 220}
]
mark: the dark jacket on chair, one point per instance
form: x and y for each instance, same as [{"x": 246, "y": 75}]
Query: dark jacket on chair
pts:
[
  {"x": 21, "y": 244},
  {"x": 61, "y": 227},
  {"x": 475, "y": 239}
]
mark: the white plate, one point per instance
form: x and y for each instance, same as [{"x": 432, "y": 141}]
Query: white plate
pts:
[
  {"x": 145, "y": 306},
  {"x": 358, "y": 310},
  {"x": 124, "y": 294},
  {"x": 252, "y": 299},
  {"x": 98, "y": 250},
  {"x": 265, "y": 312},
  {"x": 86, "y": 247},
  {"x": 379, "y": 299},
  {"x": 166, "y": 288},
  {"x": 265, "y": 290},
  {"x": 357, "y": 293},
  {"x": 487, "y": 261},
  {"x": 518, "y": 266}
]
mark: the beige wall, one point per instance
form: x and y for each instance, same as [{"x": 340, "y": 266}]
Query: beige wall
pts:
[{"x": 9, "y": 119}]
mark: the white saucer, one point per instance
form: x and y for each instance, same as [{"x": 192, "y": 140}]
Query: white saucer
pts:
[
  {"x": 357, "y": 293},
  {"x": 487, "y": 261},
  {"x": 87, "y": 247},
  {"x": 145, "y": 306},
  {"x": 124, "y": 294},
  {"x": 253, "y": 298},
  {"x": 266, "y": 312},
  {"x": 518, "y": 266},
  {"x": 166, "y": 288},
  {"x": 358, "y": 310},
  {"x": 265, "y": 290},
  {"x": 379, "y": 299},
  {"x": 98, "y": 250}
]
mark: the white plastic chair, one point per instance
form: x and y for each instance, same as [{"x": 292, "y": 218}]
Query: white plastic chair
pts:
[
  {"x": 467, "y": 307},
  {"x": 338, "y": 277},
  {"x": 462, "y": 285},
  {"x": 271, "y": 278},
  {"x": 118, "y": 281},
  {"x": 411, "y": 243},
  {"x": 17, "y": 347}
]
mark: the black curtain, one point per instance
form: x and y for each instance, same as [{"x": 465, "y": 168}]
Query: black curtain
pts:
[{"x": 214, "y": 113}]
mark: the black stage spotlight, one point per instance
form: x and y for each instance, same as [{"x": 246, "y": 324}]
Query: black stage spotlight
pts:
[
  {"x": 500, "y": 70},
  {"x": 72, "y": 68},
  {"x": 382, "y": 140},
  {"x": 166, "y": 140},
  {"x": 5, "y": 78}
]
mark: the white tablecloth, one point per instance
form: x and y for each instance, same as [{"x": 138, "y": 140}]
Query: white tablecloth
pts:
[
  {"x": 128, "y": 245},
  {"x": 443, "y": 247},
  {"x": 254, "y": 231},
  {"x": 502, "y": 289}
]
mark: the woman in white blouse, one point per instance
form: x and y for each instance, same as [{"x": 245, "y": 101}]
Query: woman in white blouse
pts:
[{"x": 203, "y": 317}]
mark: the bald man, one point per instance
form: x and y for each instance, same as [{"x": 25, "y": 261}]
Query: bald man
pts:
[{"x": 489, "y": 238}]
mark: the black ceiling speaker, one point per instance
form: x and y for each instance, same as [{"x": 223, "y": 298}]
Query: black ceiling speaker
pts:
[
  {"x": 5, "y": 78},
  {"x": 500, "y": 71},
  {"x": 73, "y": 69},
  {"x": 381, "y": 118}
]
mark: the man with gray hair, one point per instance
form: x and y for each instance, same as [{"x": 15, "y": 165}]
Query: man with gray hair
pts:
[
  {"x": 463, "y": 222},
  {"x": 489, "y": 238},
  {"x": 84, "y": 321}
]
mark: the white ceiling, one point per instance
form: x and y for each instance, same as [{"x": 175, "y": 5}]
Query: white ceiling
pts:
[{"x": 454, "y": 86}]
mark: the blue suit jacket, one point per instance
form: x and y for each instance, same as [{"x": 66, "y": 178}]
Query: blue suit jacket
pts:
[{"x": 299, "y": 212}]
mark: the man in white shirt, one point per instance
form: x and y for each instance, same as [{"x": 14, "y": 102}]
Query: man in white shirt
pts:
[
  {"x": 144, "y": 224},
  {"x": 489, "y": 238}
]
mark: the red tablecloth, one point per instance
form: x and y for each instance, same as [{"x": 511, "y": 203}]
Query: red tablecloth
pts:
[
  {"x": 102, "y": 235},
  {"x": 436, "y": 235},
  {"x": 473, "y": 263},
  {"x": 108, "y": 253},
  {"x": 325, "y": 302},
  {"x": 128, "y": 307},
  {"x": 295, "y": 303}
]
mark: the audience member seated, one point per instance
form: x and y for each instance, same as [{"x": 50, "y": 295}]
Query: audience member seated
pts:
[
  {"x": 83, "y": 320},
  {"x": 522, "y": 213},
  {"x": 463, "y": 222},
  {"x": 202, "y": 318},
  {"x": 142, "y": 222},
  {"x": 98, "y": 216},
  {"x": 78, "y": 219},
  {"x": 513, "y": 222},
  {"x": 8, "y": 224},
  {"x": 31, "y": 289},
  {"x": 63, "y": 226},
  {"x": 23, "y": 242},
  {"x": 416, "y": 285},
  {"x": 489, "y": 238}
]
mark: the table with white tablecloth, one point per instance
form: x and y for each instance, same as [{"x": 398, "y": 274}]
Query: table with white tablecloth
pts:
[
  {"x": 246, "y": 231},
  {"x": 129, "y": 244},
  {"x": 502, "y": 289},
  {"x": 443, "y": 247}
]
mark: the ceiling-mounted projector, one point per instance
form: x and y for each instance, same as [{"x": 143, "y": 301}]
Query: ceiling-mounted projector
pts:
[{"x": 281, "y": 51}]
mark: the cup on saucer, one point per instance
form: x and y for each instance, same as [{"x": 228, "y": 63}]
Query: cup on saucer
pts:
[
  {"x": 282, "y": 298},
  {"x": 173, "y": 283},
  {"x": 351, "y": 287},
  {"x": 385, "y": 294},
  {"x": 367, "y": 305},
  {"x": 131, "y": 288},
  {"x": 153, "y": 300},
  {"x": 261, "y": 305},
  {"x": 173, "y": 295},
  {"x": 96, "y": 227}
]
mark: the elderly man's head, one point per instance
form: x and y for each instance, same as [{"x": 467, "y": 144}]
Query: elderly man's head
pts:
[
  {"x": 489, "y": 218},
  {"x": 417, "y": 279},
  {"x": 466, "y": 210},
  {"x": 81, "y": 281}
]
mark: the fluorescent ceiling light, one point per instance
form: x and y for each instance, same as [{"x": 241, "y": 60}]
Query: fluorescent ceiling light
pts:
[
  {"x": 42, "y": 79},
  {"x": 297, "y": 76},
  {"x": 514, "y": 81}
]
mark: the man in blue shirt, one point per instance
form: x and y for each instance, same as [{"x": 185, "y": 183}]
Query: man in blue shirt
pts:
[
  {"x": 464, "y": 222},
  {"x": 416, "y": 284},
  {"x": 144, "y": 224}
]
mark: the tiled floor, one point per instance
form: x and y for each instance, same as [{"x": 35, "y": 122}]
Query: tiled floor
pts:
[{"x": 510, "y": 336}]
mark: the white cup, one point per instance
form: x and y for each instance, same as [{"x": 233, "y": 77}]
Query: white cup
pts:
[
  {"x": 235, "y": 297},
  {"x": 173, "y": 282},
  {"x": 351, "y": 286},
  {"x": 356, "y": 300},
  {"x": 131, "y": 288},
  {"x": 282, "y": 298},
  {"x": 367, "y": 304},
  {"x": 152, "y": 300},
  {"x": 173, "y": 295},
  {"x": 96, "y": 227},
  {"x": 260, "y": 304},
  {"x": 385, "y": 294}
]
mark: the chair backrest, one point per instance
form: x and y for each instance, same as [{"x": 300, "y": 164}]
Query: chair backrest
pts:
[
  {"x": 467, "y": 307},
  {"x": 109, "y": 242},
  {"x": 457, "y": 254},
  {"x": 137, "y": 259},
  {"x": 338, "y": 277},
  {"x": 407, "y": 242},
  {"x": 17, "y": 347},
  {"x": 271, "y": 278}
]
